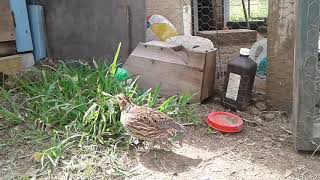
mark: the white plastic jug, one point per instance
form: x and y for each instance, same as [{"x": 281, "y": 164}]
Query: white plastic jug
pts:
[{"x": 262, "y": 43}]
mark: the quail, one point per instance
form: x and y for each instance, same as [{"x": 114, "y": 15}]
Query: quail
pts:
[{"x": 147, "y": 124}]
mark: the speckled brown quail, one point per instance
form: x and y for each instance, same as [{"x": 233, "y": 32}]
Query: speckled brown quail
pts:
[{"x": 148, "y": 124}]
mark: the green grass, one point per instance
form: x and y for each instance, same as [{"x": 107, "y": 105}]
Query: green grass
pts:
[
  {"x": 76, "y": 106},
  {"x": 259, "y": 8}
]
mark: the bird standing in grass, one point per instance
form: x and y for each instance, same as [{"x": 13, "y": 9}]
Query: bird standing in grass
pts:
[{"x": 148, "y": 124}]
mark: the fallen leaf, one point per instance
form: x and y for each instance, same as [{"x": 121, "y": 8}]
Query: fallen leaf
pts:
[{"x": 37, "y": 156}]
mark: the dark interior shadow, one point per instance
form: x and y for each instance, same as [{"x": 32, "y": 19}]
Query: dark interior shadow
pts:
[{"x": 167, "y": 161}]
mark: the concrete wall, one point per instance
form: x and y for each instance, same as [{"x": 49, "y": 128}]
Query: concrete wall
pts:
[
  {"x": 86, "y": 29},
  {"x": 281, "y": 43},
  {"x": 172, "y": 10}
]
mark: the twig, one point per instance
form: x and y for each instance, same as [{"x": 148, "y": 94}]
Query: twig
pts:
[
  {"x": 21, "y": 157},
  {"x": 188, "y": 124},
  {"x": 315, "y": 151},
  {"x": 248, "y": 121},
  {"x": 279, "y": 112},
  {"x": 163, "y": 165},
  {"x": 286, "y": 130},
  {"x": 239, "y": 158}
]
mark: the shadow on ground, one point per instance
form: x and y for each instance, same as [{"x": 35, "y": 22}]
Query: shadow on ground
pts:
[{"x": 167, "y": 162}]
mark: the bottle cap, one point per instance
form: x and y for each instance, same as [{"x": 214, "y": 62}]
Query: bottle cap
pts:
[{"x": 245, "y": 51}]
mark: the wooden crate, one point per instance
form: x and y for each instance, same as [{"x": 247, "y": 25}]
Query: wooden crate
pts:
[
  {"x": 7, "y": 31},
  {"x": 10, "y": 64},
  {"x": 175, "y": 68},
  {"x": 7, "y": 48}
]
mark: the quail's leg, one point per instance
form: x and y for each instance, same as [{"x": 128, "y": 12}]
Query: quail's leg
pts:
[
  {"x": 150, "y": 147},
  {"x": 180, "y": 143}
]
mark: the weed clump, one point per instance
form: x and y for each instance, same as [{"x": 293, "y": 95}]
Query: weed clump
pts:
[{"x": 77, "y": 105}]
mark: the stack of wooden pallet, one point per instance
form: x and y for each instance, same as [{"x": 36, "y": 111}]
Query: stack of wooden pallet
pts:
[{"x": 10, "y": 62}]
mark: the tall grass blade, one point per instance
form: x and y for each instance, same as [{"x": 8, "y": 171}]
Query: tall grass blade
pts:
[{"x": 115, "y": 60}]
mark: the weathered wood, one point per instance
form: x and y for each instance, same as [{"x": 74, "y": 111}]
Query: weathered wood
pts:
[
  {"x": 230, "y": 37},
  {"x": 177, "y": 71},
  {"x": 10, "y": 64},
  {"x": 7, "y": 32},
  {"x": 209, "y": 75},
  {"x": 27, "y": 60},
  {"x": 281, "y": 37},
  {"x": 306, "y": 93},
  {"x": 218, "y": 14},
  {"x": 260, "y": 85},
  {"x": 7, "y": 48}
]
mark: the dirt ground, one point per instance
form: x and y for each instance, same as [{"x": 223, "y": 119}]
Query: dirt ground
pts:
[{"x": 263, "y": 150}]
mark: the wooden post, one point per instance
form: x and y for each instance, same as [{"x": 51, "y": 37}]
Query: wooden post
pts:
[
  {"x": 306, "y": 95},
  {"x": 226, "y": 10},
  {"x": 218, "y": 14},
  {"x": 281, "y": 38}
]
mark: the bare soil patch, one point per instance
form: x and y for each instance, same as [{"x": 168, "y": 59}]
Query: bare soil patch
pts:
[{"x": 263, "y": 150}]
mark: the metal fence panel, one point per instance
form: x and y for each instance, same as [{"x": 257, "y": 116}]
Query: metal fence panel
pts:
[{"x": 306, "y": 88}]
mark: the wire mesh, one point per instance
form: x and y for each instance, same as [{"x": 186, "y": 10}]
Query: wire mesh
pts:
[{"x": 307, "y": 109}]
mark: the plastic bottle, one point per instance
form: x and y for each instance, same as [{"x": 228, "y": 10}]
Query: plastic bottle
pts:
[
  {"x": 262, "y": 59},
  {"x": 239, "y": 81}
]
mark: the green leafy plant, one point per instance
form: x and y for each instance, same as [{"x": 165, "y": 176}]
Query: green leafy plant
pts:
[{"x": 78, "y": 104}]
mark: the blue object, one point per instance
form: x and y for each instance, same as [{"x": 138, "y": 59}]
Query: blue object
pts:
[
  {"x": 22, "y": 27},
  {"x": 36, "y": 18},
  {"x": 262, "y": 68}
]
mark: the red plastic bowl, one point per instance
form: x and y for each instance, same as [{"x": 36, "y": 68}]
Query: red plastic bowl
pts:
[{"x": 225, "y": 122}]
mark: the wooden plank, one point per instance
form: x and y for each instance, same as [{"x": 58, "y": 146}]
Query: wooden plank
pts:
[
  {"x": 27, "y": 60},
  {"x": 7, "y": 32},
  {"x": 209, "y": 75},
  {"x": 218, "y": 14},
  {"x": 176, "y": 71},
  {"x": 10, "y": 64},
  {"x": 7, "y": 48},
  {"x": 281, "y": 37},
  {"x": 153, "y": 73},
  {"x": 195, "y": 17}
]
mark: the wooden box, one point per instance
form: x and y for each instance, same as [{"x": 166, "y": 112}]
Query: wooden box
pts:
[
  {"x": 10, "y": 64},
  {"x": 175, "y": 67},
  {"x": 7, "y": 32}
]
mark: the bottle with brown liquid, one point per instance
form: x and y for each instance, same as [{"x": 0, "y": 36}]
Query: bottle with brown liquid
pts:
[{"x": 239, "y": 81}]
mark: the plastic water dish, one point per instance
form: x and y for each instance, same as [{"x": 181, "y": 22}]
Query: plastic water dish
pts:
[{"x": 225, "y": 122}]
